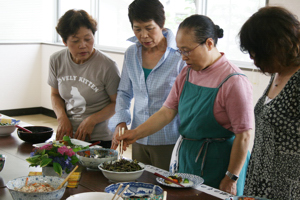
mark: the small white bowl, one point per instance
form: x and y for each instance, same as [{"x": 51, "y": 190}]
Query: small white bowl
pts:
[
  {"x": 93, "y": 196},
  {"x": 122, "y": 176},
  {"x": 6, "y": 130},
  {"x": 100, "y": 155},
  {"x": 51, "y": 180}
]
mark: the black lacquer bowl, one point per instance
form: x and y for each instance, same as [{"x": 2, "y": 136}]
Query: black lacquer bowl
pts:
[{"x": 39, "y": 134}]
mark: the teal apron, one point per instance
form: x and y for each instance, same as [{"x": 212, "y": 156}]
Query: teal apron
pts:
[{"x": 206, "y": 146}]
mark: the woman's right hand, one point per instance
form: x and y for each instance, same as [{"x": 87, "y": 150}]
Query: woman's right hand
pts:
[
  {"x": 129, "y": 137},
  {"x": 115, "y": 142},
  {"x": 64, "y": 128}
]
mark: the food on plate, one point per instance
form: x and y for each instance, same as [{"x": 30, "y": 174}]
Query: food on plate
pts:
[
  {"x": 5, "y": 124},
  {"x": 177, "y": 179},
  {"x": 66, "y": 141},
  {"x": 93, "y": 153},
  {"x": 8, "y": 122},
  {"x": 36, "y": 187},
  {"x": 122, "y": 165}
]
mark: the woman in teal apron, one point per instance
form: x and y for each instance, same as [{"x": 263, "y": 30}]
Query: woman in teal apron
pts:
[
  {"x": 205, "y": 147},
  {"x": 200, "y": 130}
]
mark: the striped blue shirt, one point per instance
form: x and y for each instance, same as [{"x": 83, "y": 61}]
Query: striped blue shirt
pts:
[{"x": 149, "y": 95}]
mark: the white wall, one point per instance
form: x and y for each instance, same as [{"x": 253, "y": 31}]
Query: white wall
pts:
[
  {"x": 291, "y": 5},
  {"x": 20, "y": 78}
]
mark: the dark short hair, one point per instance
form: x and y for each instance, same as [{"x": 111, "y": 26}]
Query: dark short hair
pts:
[
  {"x": 203, "y": 28},
  {"x": 272, "y": 37},
  {"x": 72, "y": 21},
  {"x": 146, "y": 10}
]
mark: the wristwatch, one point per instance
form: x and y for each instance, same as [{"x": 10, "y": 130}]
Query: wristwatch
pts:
[{"x": 232, "y": 176}]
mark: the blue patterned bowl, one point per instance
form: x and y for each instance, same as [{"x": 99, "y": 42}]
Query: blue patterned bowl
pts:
[
  {"x": 20, "y": 182},
  {"x": 137, "y": 189},
  {"x": 97, "y": 156}
]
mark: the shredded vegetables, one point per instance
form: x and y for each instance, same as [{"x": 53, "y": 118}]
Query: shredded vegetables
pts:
[{"x": 35, "y": 187}]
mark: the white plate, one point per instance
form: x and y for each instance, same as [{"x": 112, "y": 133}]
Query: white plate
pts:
[
  {"x": 194, "y": 180},
  {"x": 74, "y": 141},
  {"x": 92, "y": 196}
]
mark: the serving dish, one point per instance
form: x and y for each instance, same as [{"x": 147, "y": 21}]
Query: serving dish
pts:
[
  {"x": 137, "y": 190},
  {"x": 74, "y": 141},
  {"x": 93, "y": 196},
  {"x": 115, "y": 176},
  {"x": 194, "y": 180},
  {"x": 20, "y": 182},
  {"x": 39, "y": 134},
  {"x": 93, "y": 157}
]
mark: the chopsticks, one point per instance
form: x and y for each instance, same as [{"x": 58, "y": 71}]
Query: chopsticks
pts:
[
  {"x": 163, "y": 177},
  {"x": 23, "y": 129},
  {"x": 165, "y": 195},
  {"x": 121, "y": 145},
  {"x": 67, "y": 178},
  {"x": 119, "y": 195},
  {"x": 95, "y": 143},
  {"x": 120, "y": 186},
  {"x": 127, "y": 186}
]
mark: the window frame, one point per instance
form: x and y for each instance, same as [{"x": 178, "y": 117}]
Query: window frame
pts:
[{"x": 201, "y": 8}]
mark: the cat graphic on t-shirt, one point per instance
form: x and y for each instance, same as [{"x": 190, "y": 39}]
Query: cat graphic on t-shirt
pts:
[{"x": 77, "y": 104}]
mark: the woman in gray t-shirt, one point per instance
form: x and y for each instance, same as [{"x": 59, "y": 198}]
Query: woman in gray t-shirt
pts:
[{"x": 83, "y": 82}]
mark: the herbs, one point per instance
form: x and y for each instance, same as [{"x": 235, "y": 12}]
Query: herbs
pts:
[
  {"x": 67, "y": 142},
  {"x": 122, "y": 166}
]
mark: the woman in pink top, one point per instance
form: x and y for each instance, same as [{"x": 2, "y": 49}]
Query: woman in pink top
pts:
[{"x": 214, "y": 102}]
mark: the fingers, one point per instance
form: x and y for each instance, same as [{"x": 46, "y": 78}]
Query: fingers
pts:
[
  {"x": 80, "y": 135},
  {"x": 61, "y": 133}
]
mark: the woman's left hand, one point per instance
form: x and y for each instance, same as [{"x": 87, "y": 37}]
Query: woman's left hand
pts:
[
  {"x": 85, "y": 129},
  {"x": 228, "y": 185}
]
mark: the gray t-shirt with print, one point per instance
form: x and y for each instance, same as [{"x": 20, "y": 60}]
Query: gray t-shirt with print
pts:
[{"x": 85, "y": 87}]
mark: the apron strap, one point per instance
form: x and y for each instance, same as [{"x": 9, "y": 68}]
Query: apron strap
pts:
[
  {"x": 230, "y": 75},
  {"x": 187, "y": 75},
  {"x": 206, "y": 142}
]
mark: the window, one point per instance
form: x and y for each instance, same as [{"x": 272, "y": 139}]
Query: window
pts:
[
  {"x": 114, "y": 27},
  {"x": 35, "y": 20},
  {"x": 230, "y": 15},
  {"x": 26, "y": 21},
  {"x": 65, "y": 5}
]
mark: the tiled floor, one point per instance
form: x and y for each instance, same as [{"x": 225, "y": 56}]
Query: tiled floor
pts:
[{"x": 43, "y": 120}]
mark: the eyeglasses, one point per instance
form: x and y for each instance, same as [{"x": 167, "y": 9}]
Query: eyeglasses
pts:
[{"x": 187, "y": 53}]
